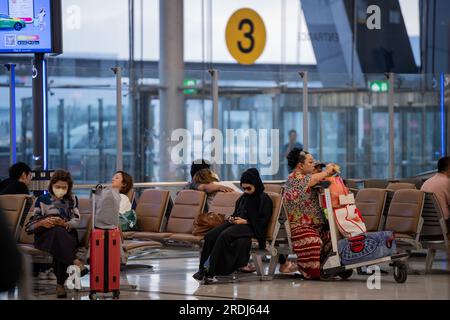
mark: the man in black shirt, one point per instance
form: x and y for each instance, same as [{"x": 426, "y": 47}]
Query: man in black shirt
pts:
[{"x": 18, "y": 181}]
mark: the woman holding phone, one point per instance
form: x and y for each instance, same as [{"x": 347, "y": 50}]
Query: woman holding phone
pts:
[
  {"x": 227, "y": 246},
  {"x": 53, "y": 223}
]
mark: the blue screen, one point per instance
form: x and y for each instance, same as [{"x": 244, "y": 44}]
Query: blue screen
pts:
[{"x": 25, "y": 26}]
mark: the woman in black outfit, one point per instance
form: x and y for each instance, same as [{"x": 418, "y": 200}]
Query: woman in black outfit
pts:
[{"x": 227, "y": 246}]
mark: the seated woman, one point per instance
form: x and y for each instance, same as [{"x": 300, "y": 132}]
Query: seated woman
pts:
[
  {"x": 53, "y": 223},
  {"x": 227, "y": 246},
  {"x": 309, "y": 228},
  {"x": 207, "y": 176},
  {"x": 123, "y": 182},
  {"x": 208, "y": 188}
]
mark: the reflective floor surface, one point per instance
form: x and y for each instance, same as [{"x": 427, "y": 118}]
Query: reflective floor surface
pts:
[{"x": 171, "y": 278}]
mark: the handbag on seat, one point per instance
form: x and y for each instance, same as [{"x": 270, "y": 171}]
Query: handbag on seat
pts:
[{"x": 206, "y": 221}]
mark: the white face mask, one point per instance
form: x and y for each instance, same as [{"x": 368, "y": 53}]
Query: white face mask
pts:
[{"x": 59, "y": 193}]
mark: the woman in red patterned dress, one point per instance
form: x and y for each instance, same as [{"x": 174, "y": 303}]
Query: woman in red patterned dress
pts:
[{"x": 309, "y": 229}]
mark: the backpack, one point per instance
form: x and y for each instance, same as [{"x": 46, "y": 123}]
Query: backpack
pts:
[{"x": 106, "y": 204}]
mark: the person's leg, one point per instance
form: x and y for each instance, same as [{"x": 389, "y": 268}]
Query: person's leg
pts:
[
  {"x": 307, "y": 245},
  {"x": 61, "y": 273},
  {"x": 209, "y": 242},
  {"x": 61, "y": 276},
  {"x": 231, "y": 250},
  {"x": 286, "y": 266}
]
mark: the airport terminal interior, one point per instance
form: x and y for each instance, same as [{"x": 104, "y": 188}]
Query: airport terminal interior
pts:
[{"x": 225, "y": 150}]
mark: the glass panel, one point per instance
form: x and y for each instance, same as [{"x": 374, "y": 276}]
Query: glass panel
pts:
[
  {"x": 4, "y": 123},
  {"x": 82, "y": 126}
]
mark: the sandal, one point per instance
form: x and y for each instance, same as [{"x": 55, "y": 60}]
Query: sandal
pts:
[
  {"x": 249, "y": 268},
  {"x": 292, "y": 268},
  {"x": 61, "y": 292}
]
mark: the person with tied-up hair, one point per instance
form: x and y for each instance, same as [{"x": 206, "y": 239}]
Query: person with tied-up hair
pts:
[
  {"x": 53, "y": 223},
  {"x": 309, "y": 228},
  {"x": 227, "y": 246}
]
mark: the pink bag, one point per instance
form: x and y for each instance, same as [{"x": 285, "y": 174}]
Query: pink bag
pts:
[
  {"x": 349, "y": 221},
  {"x": 337, "y": 188}
]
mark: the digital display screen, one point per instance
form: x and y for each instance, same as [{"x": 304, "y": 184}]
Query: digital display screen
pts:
[{"x": 25, "y": 26}]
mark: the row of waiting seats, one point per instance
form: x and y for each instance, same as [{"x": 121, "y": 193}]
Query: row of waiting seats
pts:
[
  {"x": 414, "y": 215},
  {"x": 161, "y": 222},
  {"x": 385, "y": 184}
]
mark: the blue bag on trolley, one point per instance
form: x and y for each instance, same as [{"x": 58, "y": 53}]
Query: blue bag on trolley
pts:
[{"x": 366, "y": 247}]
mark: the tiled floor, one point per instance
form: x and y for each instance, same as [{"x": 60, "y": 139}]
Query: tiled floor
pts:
[{"x": 171, "y": 278}]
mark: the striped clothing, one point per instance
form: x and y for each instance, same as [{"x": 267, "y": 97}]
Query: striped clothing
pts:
[
  {"x": 48, "y": 205},
  {"x": 310, "y": 238}
]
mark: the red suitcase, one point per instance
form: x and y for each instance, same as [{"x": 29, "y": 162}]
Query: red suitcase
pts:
[{"x": 104, "y": 261}]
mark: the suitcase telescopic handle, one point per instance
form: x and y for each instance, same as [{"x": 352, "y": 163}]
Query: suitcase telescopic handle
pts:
[
  {"x": 93, "y": 193},
  {"x": 93, "y": 208}
]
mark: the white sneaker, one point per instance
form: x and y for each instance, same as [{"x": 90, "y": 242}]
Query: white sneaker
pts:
[
  {"x": 42, "y": 275},
  {"x": 51, "y": 275},
  {"x": 210, "y": 280}
]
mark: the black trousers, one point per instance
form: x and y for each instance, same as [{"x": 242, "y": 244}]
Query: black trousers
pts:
[
  {"x": 228, "y": 247},
  {"x": 60, "y": 269},
  {"x": 59, "y": 242},
  {"x": 62, "y": 245}
]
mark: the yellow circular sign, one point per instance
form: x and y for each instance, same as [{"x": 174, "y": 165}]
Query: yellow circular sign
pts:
[{"x": 245, "y": 36}]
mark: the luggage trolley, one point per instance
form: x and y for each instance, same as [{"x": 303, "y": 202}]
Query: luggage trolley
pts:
[{"x": 333, "y": 267}]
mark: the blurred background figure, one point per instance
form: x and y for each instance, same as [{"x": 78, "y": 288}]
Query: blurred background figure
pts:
[
  {"x": 19, "y": 180},
  {"x": 11, "y": 260},
  {"x": 293, "y": 143}
]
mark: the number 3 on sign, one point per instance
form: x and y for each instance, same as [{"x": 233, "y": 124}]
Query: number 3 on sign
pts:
[{"x": 245, "y": 36}]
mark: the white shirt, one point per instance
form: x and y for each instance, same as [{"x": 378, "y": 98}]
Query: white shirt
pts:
[{"x": 125, "y": 204}]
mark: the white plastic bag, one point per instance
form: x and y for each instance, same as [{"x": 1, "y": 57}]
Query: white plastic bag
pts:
[{"x": 349, "y": 221}]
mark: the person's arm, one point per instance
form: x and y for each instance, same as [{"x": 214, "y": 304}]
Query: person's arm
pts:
[
  {"x": 11, "y": 263},
  {"x": 236, "y": 206},
  {"x": 317, "y": 177},
  {"x": 22, "y": 189},
  {"x": 32, "y": 225},
  {"x": 239, "y": 220},
  {"x": 212, "y": 187},
  {"x": 75, "y": 221}
]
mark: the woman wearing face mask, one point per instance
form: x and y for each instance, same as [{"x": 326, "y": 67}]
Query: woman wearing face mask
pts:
[
  {"x": 53, "y": 223},
  {"x": 309, "y": 232},
  {"x": 227, "y": 246}
]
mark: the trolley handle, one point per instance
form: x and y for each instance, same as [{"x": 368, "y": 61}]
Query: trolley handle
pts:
[{"x": 94, "y": 191}]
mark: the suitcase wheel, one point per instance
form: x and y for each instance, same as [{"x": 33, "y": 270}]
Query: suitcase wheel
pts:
[
  {"x": 116, "y": 294},
  {"x": 400, "y": 272},
  {"x": 345, "y": 274}
]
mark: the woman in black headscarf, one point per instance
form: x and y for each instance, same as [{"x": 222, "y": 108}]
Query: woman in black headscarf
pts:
[{"x": 227, "y": 246}]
